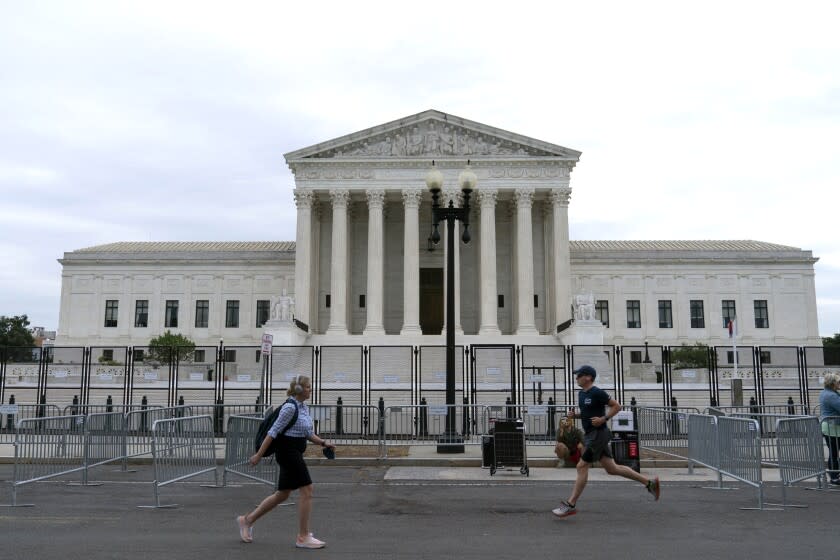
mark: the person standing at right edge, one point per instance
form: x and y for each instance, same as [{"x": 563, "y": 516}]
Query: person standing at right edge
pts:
[
  {"x": 596, "y": 409},
  {"x": 830, "y": 423}
]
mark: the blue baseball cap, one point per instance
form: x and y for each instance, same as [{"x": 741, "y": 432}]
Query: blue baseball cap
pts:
[{"x": 585, "y": 370}]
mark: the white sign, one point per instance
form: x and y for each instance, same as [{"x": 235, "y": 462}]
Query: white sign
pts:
[
  {"x": 243, "y": 377},
  {"x": 106, "y": 377},
  {"x": 267, "y": 340},
  {"x": 150, "y": 376},
  {"x": 8, "y": 409},
  {"x": 291, "y": 376},
  {"x": 492, "y": 371},
  {"x": 390, "y": 378},
  {"x": 689, "y": 373},
  {"x": 60, "y": 373},
  {"x": 535, "y": 377},
  {"x": 537, "y": 410},
  {"x": 340, "y": 376},
  {"x": 196, "y": 376},
  {"x": 440, "y": 375},
  {"x": 437, "y": 410}
]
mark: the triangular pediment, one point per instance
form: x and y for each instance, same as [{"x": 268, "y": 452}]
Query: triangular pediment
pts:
[{"x": 431, "y": 134}]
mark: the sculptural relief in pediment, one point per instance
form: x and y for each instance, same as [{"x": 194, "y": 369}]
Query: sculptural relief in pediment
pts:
[{"x": 432, "y": 139}]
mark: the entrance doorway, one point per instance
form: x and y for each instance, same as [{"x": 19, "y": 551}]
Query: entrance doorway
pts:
[{"x": 431, "y": 300}]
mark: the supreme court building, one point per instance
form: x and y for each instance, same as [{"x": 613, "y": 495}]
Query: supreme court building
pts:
[{"x": 360, "y": 271}]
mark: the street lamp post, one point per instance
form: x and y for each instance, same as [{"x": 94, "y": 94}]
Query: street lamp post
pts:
[{"x": 450, "y": 441}]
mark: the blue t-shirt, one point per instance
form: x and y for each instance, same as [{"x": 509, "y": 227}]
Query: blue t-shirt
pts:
[{"x": 592, "y": 404}]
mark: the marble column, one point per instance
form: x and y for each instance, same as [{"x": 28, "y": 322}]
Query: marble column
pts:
[
  {"x": 525, "y": 262},
  {"x": 489, "y": 319},
  {"x": 338, "y": 263},
  {"x": 560, "y": 255},
  {"x": 456, "y": 197},
  {"x": 303, "y": 257},
  {"x": 375, "y": 263},
  {"x": 411, "y": 262}
]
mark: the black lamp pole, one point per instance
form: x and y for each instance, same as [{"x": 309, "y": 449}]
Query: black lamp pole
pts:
[{"x": 450, "y": 442}]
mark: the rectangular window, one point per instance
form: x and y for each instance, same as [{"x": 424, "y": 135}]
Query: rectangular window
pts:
[
  {"x": 635, "y": 356},
  {"x": 108, "y": 355},
  {"x": 199, "y": 356},
  {"x": 666, "y": 318},
  {"x": 141, "y": 313},
  {"x": 232, "y": 314},
  {"x": 202, "y": 313},
  {"x": 230, "y": 355},
  {"x": 602, "y": 312},
  {"x": 171, "y": 317},
  {"x": 762, "y": 319},
  {"x": 327, "y": 301},
  {"x": 263, "y": 311},
  {"x": 727, "y": 310},
  {"x": 361, "y": 301},
  {"x": 730, "y": 357},
  {"x": 112, "y": 307},
  {"x": 500, "y": 300},
  {"x": 634, "y": 314},
  {"x": 764, "y": 356},
  {"x": 138, "y": 355},
  {"x": 698, "y": 320},
  {"x": 536, "y": 300},
  {"x": 257, "y": 356}
]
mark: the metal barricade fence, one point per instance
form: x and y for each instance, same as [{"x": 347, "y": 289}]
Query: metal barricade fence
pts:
[
  {"x": 182, "y": 448},
  {"x": 664, "y": 430},
  {"x": 221, "y": 412},
  {"x": 101, "y": 408},
  {"x": 767, "y": 430},
  {"x": 800, "y": 452},
  {"x": 138, "y": 427},
  {"x": 425, "y": 424},
  {"x": 46, "y": 448},
  {"x": 777, "y": 409},
  {"x": 239, "y": 447},
  {"x": 14, "y": 413},
  {"x": 104, "y": 440},
  {"x": 540, "y": 420},
  {"x": 740, "y": 452},
  {"x": 703, "y": 444},
  {"x": 348, "y": 424}
]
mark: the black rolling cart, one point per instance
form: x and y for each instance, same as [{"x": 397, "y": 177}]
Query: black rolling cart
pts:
[{"x": 508, "y": 446}]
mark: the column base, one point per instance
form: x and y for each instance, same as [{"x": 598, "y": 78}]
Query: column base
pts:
[
  {"x": 527, "y": 330},
  {"x": 411, "y": 330},
  {"x": 489, "y": 330},
  {"x": 337, "y": 329},
  {"x": 374, "y": 331}
]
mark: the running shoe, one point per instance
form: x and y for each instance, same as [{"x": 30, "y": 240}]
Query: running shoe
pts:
[
  {"x": 653, "y": 487},
  {"x": 309, "y": 542},
  {"x": 564, "y": 510},
  {"x": 246, "y": 532}
]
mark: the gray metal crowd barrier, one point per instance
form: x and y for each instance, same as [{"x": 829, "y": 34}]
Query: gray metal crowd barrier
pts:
[
  {"x": 664, "y": 430},
  {"x": 704, "y": 444},
  {"x": 800, "y": 452},
  {"x": 138, "y": 427},
  {"x": 221, "y": 412},
  {"x": 11, "y": 414},
  {"x": 104, "y": 440},
  {"x": 239, "y": 447},
  {"x": 740, "y": 452},
  {"x": 100, "y": 408},
  {"x": 830, "y": 429},
  {"x": 349, "y": 424},
  {"x": 47, "y": 448},
  {"x": 540, "y": 420},
  {"x": 426, "y": 424},
  {"x": 182, "y": 448}
]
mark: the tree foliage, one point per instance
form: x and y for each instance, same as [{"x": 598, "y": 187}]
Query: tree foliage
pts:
[
  {"x": 685, "y": 356},
  {"x": 832, "y": 341},
  {"x": 168, "y": 345},
  {"x": 15, "y": 336}
]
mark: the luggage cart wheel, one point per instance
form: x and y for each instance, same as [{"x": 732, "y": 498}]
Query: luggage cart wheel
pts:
[{"x": 525, "y": 471}]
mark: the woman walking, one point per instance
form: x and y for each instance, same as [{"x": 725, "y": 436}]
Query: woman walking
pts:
[
  {"x": 830, "y": 422},
  {"x": 293, "y": 434}
]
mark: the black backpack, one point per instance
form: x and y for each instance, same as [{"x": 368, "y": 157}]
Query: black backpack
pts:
[{"x": 266, "y": 424}]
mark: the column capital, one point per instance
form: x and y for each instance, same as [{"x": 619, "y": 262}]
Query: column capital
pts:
[
  {"x": 455, "y": 195},
  {"x": 304, "y": 199},
  {"x": 561, "y": 196},
  {"x": 340, "y": 197},
  {"x": 487, "y": 197},
  {"x": 411, "y": 197},
  {"x": 375, "y": 198},
  {"x": 524, "y": 197}
]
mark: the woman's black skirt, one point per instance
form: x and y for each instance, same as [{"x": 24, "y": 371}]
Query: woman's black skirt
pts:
[{"x": 293, "y": 471}]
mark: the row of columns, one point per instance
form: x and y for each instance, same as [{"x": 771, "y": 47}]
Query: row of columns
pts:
[{"x": 559, "y": 284}]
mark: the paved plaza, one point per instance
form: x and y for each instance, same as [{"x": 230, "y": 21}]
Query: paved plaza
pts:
[{"x": 417, "y": 512}]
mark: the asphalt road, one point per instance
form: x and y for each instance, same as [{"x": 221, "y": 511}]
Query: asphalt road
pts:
[{"x": 362, "y": 514}]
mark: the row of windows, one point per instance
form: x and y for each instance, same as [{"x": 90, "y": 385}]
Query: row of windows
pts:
[
  {"x": 696, "y": 312},
  {"x": 170, "y": 318}
]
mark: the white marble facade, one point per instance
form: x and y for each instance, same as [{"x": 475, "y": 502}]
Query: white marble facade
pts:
[{"x": 363, "y": 219}]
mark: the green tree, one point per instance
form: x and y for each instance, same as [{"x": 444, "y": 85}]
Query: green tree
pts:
[
  {"x": 685, "y": 356},
  {"x": 832, "y": 341},
  {"x": 15, "y": 336},
  {"x": 831, "y": 350},
  {"x": 168, "y": 344}
]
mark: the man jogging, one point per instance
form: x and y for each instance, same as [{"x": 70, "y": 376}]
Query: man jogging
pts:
[{"x": 596, "y": 408}]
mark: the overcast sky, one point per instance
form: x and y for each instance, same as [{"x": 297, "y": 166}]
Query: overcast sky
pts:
[{"x": 167, "y": 121}]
